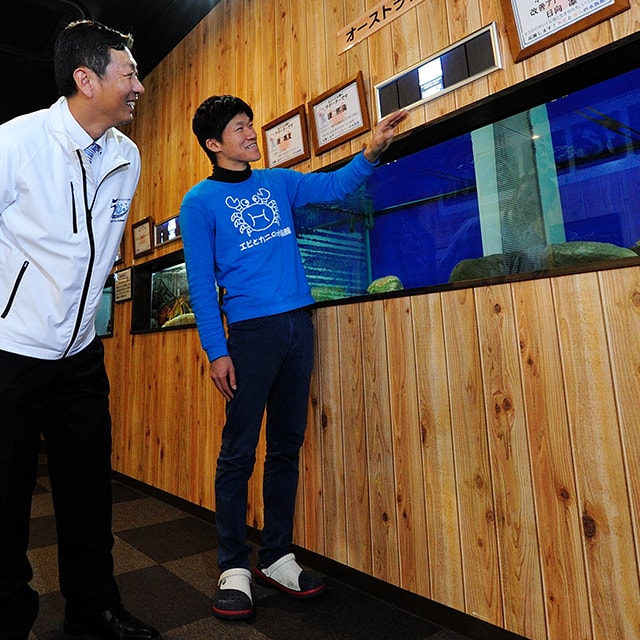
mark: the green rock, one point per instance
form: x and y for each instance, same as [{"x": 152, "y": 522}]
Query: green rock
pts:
[
  {"x": 562, "y": 254},
  {"x": 474, "y": 268},
  {"x": 328, "y": 292},
  {"x": 582, "y": 252},
  {"x": 385, "y": 284}
]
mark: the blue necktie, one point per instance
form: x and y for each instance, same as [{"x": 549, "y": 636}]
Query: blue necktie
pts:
[{"x": 91, "y": 150}]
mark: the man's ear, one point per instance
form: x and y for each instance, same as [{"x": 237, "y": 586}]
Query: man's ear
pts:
[
  {"x": 213, "y": 145},
  {"x": 83, "y": 78}
]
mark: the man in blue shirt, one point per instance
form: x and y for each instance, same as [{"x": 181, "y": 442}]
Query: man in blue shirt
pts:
[{"x": 238, "y": 234}]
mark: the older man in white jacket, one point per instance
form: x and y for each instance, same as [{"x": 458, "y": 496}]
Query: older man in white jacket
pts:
[{"x": 67, "y": 177}]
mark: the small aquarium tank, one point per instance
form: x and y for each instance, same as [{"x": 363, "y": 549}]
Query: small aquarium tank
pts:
[
  {"x": 555, "y": 185},
  {"x": 104, "y": 315},
  {"x": 161, "y": 298},
  {"x": 170, "y": 301}
]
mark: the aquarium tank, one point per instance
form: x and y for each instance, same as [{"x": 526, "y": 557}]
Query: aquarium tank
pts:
[
  {"x": 553, "y": 186},
  {"x": 104, "y": 314},
  {"x": 170, "y": 300}
]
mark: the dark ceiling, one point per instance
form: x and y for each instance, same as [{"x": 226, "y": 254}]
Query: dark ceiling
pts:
[{"x": 28, "y": 29}]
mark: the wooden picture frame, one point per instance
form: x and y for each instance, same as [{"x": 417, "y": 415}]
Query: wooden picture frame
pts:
[
  {"x": 285, "y": 140},
  {"x": 123, "y": 285},
  {"x": 142, "y": 233},
  {"x": 339, "y": 114},
  {"x": 530, "y": 30}
]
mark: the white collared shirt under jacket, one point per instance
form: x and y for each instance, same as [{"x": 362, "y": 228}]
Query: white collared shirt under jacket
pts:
[{"x": 60, "y": 229}]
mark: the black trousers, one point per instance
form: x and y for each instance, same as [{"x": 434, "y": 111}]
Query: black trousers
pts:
[{"x": 67, "y": 401}]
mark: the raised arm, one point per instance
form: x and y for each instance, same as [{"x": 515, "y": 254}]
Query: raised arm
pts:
[{"x": 383, "y": 134}]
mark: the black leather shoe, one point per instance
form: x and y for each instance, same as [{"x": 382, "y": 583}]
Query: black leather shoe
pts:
[{"x": 112, "y": 624}]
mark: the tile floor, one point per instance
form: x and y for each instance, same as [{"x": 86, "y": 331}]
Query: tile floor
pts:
[{"x": 166, "y": 569}]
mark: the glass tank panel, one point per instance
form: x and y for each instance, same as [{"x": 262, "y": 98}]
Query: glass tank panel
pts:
[
  {"x": 104, "y": 315},
  {"x": 553, "y": 186},
  {"x": 170, "y": 300},
  {"x": 161, "y": 299}
]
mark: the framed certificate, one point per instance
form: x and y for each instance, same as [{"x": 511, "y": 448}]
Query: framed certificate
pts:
[
  {"x": 339, "y": 115},
  {"x": 533, "y": 26},
  {"x": 142, "y": 237},
  {"x": 285, "y": 139},
  {"x": 122, "y": 285}
]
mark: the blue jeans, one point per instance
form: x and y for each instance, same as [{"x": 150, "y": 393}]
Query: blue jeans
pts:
[{"x": 273, "y": 358}]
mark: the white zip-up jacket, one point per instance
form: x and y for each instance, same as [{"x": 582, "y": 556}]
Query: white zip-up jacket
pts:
[{"x": 60, "y": 230}]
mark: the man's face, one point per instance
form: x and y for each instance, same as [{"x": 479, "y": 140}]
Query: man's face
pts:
[
  {"x": 238, "y": 146},
  {"x": 118, "y": 89}
]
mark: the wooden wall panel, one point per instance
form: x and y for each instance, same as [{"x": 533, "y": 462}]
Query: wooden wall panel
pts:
[
  {"x": 315, "y": 54},
  {"x": 433, "y": 33},
  {"x": 438, "y": 463},
  {"x": 357, "y": 59},
  {"x": 556, "y": 501},
  {"x": 407, "y": 458},
  {"x": 586, "y": 41},
  {"x": 310, "y": 500},
  {"x": 405, "y": 45},
  {"x": 220, "y": 51},
  {"x": 382, "y": 497},
  {"x": 511, "y": 74},
  {"x": 598, "y": 456},
  {"x": 264, "y": 93},
  {"x": 621, "y": 305},
  {"x": 626, "y": 23},
  {"x": 510, "y": 463},
  {"x": 333, "y": 469},
  {"x": 525, "y": 515},
  {"x": 381, "y": 62},
  {"x": 283, "y": 31},
  {"x": 465, "y": 17},
  {"x": 238, "y": 37},
  {"x": 358, "y": 513},
  {"x": 475, "y": 495}
]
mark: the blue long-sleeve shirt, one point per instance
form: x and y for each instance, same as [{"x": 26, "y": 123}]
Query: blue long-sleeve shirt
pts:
[{"x": 241, "y": 236}]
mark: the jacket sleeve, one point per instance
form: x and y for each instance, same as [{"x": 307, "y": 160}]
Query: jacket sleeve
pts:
[
  {"x": 198, "y": 235},
  {"x": 331, "y": 185}
]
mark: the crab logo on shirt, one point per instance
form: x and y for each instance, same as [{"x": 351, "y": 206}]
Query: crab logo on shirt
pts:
[
  {"x": 119, "y": 208},
  {"x": 256, "y": 215}
]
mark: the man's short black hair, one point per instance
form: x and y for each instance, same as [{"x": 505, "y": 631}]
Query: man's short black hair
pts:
[
  {"x": 85, "y": 43},
  {"x": 213, "y": 115}
]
